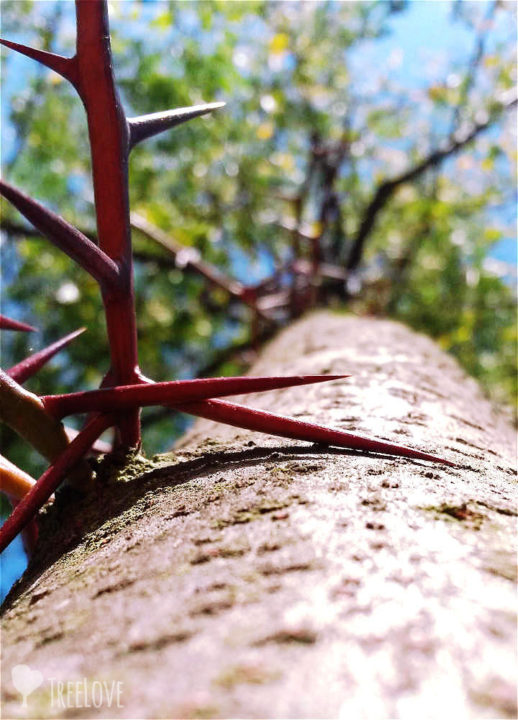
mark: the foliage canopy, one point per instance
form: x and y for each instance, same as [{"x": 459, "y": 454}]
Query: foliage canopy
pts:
[{"x": 299, "y": 79}]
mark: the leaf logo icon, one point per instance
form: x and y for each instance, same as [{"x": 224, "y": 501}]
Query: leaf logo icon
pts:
[{"x": 26, "y": 680}]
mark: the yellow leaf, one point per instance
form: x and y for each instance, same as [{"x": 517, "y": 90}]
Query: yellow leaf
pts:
[
  {"x": 265, "y": 131},
  {"x": 279, "y": 43},
  {"x": 491, "y": 61},
  {"x": 162, "y": 21},
  {"x": 492, "y": 234},
  {"x": 437, "y": 93},
  {"x": 316, "y": 229},
  {"x": 283, "y": 160},
  {"x": 463, "y": 334}
]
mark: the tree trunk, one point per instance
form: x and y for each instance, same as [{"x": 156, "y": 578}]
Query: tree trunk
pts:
[{"x": 250, "y": 576}]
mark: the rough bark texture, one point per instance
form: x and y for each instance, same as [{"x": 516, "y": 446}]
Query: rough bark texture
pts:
[{"x": 247, "y": 576}]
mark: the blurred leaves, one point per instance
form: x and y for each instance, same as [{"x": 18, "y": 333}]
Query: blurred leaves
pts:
[{"x": 288, "y": 72}]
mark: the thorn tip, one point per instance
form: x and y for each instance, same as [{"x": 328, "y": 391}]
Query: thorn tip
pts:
[{"x": 145, "y": 126}]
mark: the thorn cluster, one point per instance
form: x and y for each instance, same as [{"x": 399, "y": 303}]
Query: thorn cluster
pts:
[{"x": 124, "y": 390}]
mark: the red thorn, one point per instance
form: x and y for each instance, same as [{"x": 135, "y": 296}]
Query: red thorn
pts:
[
  {"x": 261, "y": 421},
  {"x": 64, "y": 235},
  {"x": 145, "y": 126},
  {"x": 28, "y": 367},
  {"x": 51, "y": 478},
  {"x": 8, "y": 324},
  {"x": 66, "y": 67},
  {"x": 124, "y": 397}
]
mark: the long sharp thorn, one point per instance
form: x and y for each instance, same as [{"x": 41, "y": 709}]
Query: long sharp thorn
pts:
[
  {"x": 262, "y": 421},
  {"x": 126, "y": 397},
  {"x": 145, "y": 126},
  {"x": 51, "y": 478},
  {"x": 8, "y": 324},
  {"x": 24, "y": 413},
  {"x": 64, "y": 235},
  {"x": 28, "y": 367},
  {"x": 14, "y": 482},
  {"x": 66, "y": 67}
]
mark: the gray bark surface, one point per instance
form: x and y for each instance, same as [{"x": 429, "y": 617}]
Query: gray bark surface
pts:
[{"x": 251, "y": 576}]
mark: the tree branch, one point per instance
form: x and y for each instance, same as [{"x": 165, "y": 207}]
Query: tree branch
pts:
[{"x": 386, "y": 190}]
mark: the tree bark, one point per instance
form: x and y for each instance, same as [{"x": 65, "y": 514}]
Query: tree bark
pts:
[{"x": 250, "y": 576}]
